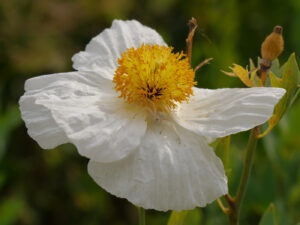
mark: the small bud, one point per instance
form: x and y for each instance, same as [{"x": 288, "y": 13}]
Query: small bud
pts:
[{"x": 272, "y": 46}]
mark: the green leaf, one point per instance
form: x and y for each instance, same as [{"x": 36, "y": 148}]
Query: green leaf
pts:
[
  {"x": 178, "y": 218},
  {"x": 194, "y": 217},
  {"x": 275, "y": 68},
  {"x": 186, "y": 217},
  {"x": 269, "y": 217},
  {"x": 222, "y": 150},
  {"x": 290, "y": 75},
  {"x": 275, "y": 81}
]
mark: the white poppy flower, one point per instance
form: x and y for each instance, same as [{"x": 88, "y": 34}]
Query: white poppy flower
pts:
[{"x": 150, "y": 145}]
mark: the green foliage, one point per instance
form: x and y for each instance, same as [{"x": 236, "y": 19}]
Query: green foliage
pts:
[
  {"x": 222, "y": 150},
  {"x": 269, "y": 217},
  {"x": 290, "y": 75},
  {"x": 9, "y": 210},
  {"x": 178, "y": 218},
  {"x": 186, "y": 217},
  {"x": 8, "y": 121},
  {"x": 194, "y": 217}
]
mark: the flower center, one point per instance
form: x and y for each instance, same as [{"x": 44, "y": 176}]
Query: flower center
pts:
[{"x": 152, "y": 75}]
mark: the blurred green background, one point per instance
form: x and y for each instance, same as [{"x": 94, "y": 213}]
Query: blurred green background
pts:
[{"x": 52, "y": 187}]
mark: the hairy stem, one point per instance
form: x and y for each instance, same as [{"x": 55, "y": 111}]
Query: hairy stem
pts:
[{"x": 236, "y": 202}]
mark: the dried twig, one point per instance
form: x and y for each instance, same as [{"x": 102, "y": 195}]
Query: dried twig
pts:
[
  {"x": 206, "y": 61},
  {"x": 189, "y": 41}
]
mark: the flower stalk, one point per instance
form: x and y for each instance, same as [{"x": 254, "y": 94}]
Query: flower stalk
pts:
[{"x": 236, "y": 202}]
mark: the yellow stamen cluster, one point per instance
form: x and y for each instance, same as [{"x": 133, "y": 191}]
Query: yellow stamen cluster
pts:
[{"x": 152, "y": 75}]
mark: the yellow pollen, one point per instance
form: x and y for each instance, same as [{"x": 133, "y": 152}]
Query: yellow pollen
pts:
[{"x": 152, "y": 75}]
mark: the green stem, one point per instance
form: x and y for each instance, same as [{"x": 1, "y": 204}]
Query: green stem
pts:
[
  {"x": 236, "y": 203},
  {"x": 247, "y": 166},
  {"x": 142, "y": 216}
]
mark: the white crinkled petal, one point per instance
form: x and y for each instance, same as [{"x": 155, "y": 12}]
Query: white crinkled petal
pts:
[
  {"x": 173, "y": 169},
  {"x": 82, "y": 109},
  {"x": 102, "y": 53},
  {"x": 221, "y": 112},
  {"x": 40, "y": 124}
]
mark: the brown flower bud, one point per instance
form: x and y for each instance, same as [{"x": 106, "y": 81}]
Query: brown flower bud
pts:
[{"x": 272, "y": 46}]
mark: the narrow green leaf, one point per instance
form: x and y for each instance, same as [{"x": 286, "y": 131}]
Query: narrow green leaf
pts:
[
  {"x": 258, "y": 61},
  {"x": 178, "y": 218},
  {"x": 290, "y": 76},
  {"x": 252, "y": 65},
  {"x": 269, "y": 217}
]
